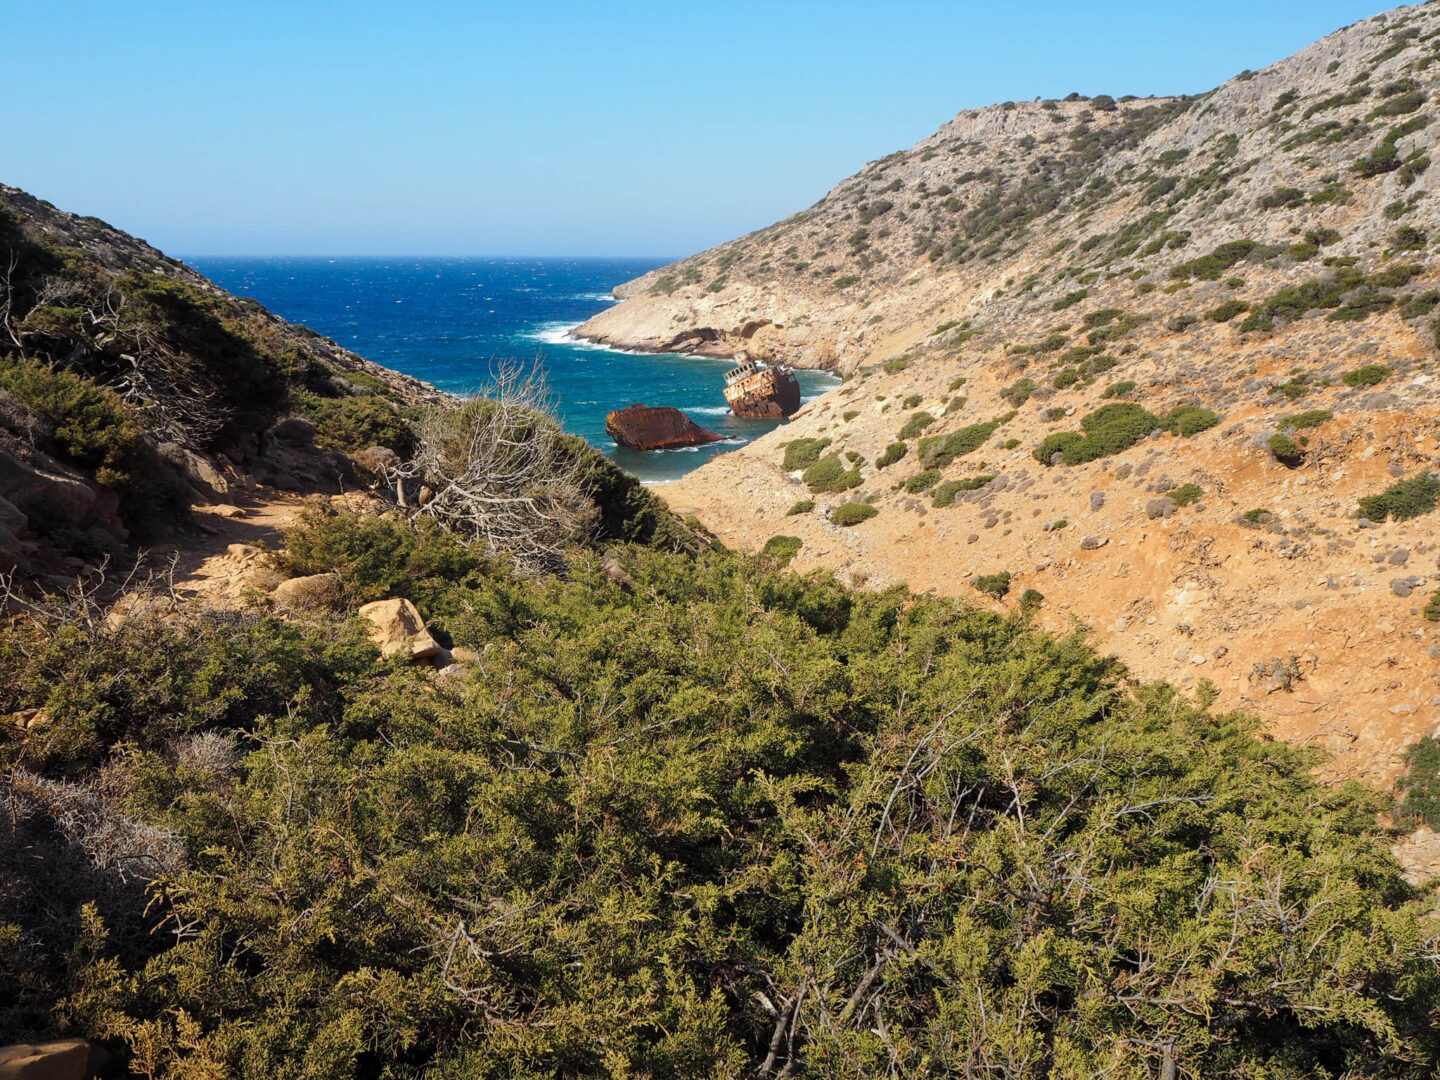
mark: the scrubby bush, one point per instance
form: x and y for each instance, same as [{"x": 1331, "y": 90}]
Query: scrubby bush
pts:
[
  {"x": 804, "y": 506},
  {"x": 1031, "y": 599},
  {"x": 922, "y": 481},
  {"x": 1108, "y": 430},
  {"x": 1186, "y": 494},
  {"x": 830, "y": 475},
  {"x": 1308, "y": 419},
  {"x": 1055, "y": 443},
  {"x": 946, "y": 492},
  {"x": 893, "y": 453},
  {"x": 1286, "y": 450},
  {"x": 357, "y": 423},
  {"x": 852, "y": 513},
  {"x": 1018, "y": 392},
  {"x": 915, "y": 425},
  {"x": 775, "y": 787},
  {"x": 1227, "y": 311},
  {"x": 912, "y": 402},
  {"x": 1369, "y": 375},
  {"x": 802, "y": 453},
  {"x": 1419, "y": 788},
  {"x": 937, "y": 451},
  {"x": 1122, "y": 389},
  {"x": 87, "y": 424},
  {"x": 782, "y": 549},
  {"x": 1403, "y": 500},
  {"x": 996, "y": 585},
  {"x": 1212, "y": 267},
  {"x": 1187, "y": 420}
]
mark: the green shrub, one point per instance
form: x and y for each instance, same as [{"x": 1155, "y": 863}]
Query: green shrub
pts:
[
  {"x": 922, "y": 481},
  {"x": 1031, "y": 599},
  {"x": 1122, "y": 389},
  {"x": 1257, "y": 515},
  {"x": 1212, "y": 267},
  {"x": 852, "y": 513},
  {"x": 996, "y": 585},
  {"x": 1409, "y": 238},
  {"x": 957, "y": 382},
  {"x": 844, "y": 281},
  {"x": 802, "y": 453},
  {"x": 1227, "y": 311},
  {"x": 1018, "y": 392},
  {"x": 937, "y": 451},
  {"x": 1419, "y": 788},
  {"x": 1186, "y": 494},
  {"x": 1395, "y": 276},
  {"x": 893, "y": 453},
  {"x": 1187, "y": 420},
  {"x": 1308, "y": 419},
  {"x": 804, "y": 506},
  {"x": 912, "y": 402},
  {"x": 1403, "y": 500},
  {"x": 829, "y": 475},
  {"x": 1108, "y": 430},
  {"x": 1070, "y": 300},
  {"x": 1064, "y": 379},
  {"x": 917, "y": 423},
  {"x": 1432, "y": 607},
  {"x": 1369, "y": 375},
  {"x": 1057, "y": 442},
  {"x": 849, "y": 415},
  {"x": 1286, "y": 450},
  {"x": 357, "y": 423},
  {"x": 945, "y": 493},
  {"x": 782, "y": 549},
  {"x": 91, "y": 426},
  {"x": 896, "y": 364}
]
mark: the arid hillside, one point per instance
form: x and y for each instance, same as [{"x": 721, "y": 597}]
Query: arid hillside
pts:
[{"x": 1170, "y": 364}]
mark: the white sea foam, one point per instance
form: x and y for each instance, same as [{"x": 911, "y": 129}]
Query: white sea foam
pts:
[
  {"x": 709, "y": 410},
  {"x": 599, "y": 297}
]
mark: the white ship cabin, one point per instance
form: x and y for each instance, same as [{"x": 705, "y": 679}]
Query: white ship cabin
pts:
[{"x": 740, "y": 371}]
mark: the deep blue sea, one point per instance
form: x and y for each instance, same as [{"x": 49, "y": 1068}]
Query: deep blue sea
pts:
[{"x": 445, "y": 320}]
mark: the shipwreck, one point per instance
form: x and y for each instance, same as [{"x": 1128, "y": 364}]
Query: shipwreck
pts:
[
  {"x": 645, "y": 427},
  {"x": 761, "y": 391}
]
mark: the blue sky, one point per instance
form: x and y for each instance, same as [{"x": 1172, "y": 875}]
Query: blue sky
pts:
[{"x": 626, "y": 128}]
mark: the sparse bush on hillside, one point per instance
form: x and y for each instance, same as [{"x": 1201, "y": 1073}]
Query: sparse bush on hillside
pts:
[
  {"x": 1227, "y": 311},
  {"x": 802, "y": 453},
  {"x": 937, "y": 451},
  {"x": 922, "y": 481},
  {"x": 946, "y": 492},
  {"x": 1308, "y": 419},
  {"x": 1369, "y": 375},
  {"x": 782, "y": 549},
  {"x": 1286, "y": 450},
  {"x": 804, "y": 506},
  {"x": 830, "y": 475},
  {"x": 893, "y": 453},
  {"x": 1108, "y": 430},
  {"x": 1185, "y": 494},
  {"x": 1122, "y": 389},
  {"x": 996, "y": 585},
  {"x": 852, "y": 513},
  {"x": 1212, "y": 267},
  {"x": 1403, "y": 500},
  {"x": 1188, "y": 420},
  {"x": 917, "y": 423}
]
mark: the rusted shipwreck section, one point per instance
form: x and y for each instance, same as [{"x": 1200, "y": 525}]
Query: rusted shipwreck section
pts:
[
  {"x": 642, "y": 427},
  {"x": 770, "y": 392}
]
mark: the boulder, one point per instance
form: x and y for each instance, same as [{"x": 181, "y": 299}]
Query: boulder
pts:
[
  {"x": 314, "y": 592},
  {"x": 63, "y": 1059},
  {"x": 293, "y": 431},
  {"x": 396, "y": 627},
  {"x": 1162, "y": 507}
]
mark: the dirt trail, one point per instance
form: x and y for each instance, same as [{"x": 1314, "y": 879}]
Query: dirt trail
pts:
[{"x": 221, "y": 560}]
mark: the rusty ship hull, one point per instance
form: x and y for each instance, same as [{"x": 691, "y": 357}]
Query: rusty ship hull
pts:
[
  {"x": 768, "y": 393},
  {"x": 645, "y": 427}
]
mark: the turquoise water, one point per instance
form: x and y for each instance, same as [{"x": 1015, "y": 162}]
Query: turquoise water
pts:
[{"x": 445, "y": 320}]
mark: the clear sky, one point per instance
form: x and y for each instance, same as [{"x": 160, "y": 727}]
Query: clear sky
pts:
[{"x": 625, "y": 127}]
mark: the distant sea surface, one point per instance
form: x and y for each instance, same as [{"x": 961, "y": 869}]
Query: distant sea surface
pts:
[{"x": 445, "y": 320}]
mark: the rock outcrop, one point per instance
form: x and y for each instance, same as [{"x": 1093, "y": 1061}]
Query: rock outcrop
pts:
[{"x": 398, "y": 630}]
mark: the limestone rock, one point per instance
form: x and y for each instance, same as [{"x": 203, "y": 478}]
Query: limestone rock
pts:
[
  {"x": 396, "y": 627},
  {"x": 63, "y": 1059},
  {"x": 1162, "y": 507},
  {"x": 312, "y": 593}
]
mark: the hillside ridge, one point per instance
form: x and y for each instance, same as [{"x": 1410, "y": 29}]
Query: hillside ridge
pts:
[{"x": 1152, "y": 358}]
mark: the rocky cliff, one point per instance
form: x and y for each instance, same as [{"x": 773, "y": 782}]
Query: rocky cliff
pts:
[{"x": 1169, "y": 364}]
